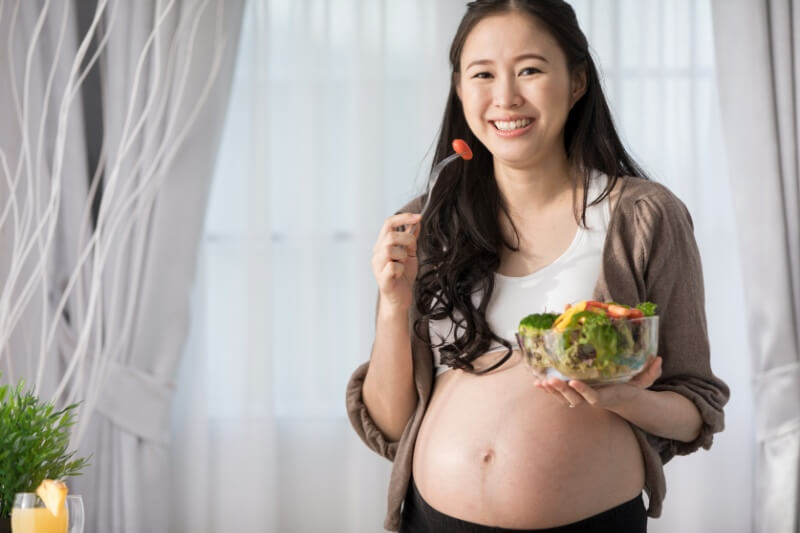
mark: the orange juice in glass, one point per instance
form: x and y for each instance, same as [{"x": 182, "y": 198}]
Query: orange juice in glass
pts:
[{"x": 30, "y": 515}]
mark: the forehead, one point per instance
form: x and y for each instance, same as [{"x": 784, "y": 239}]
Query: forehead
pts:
[{"x": 507, "y": 35}]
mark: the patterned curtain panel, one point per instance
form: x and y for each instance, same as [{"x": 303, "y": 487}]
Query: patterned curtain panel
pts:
[{"x": 99, "y": 240}]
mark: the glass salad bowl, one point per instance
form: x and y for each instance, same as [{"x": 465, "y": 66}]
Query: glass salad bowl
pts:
[{"x": 612, "y": 352}]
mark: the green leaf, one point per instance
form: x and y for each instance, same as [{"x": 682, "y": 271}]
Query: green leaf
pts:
[
  {"x": 647, "y": 308},
  {"x": 34, "y": 437}
]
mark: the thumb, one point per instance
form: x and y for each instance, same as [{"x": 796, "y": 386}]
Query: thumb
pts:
[{"x": 650, "y": 374}]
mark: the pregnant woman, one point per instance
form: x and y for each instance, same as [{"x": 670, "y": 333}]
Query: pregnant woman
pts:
[{"x": 551, "y": 210}]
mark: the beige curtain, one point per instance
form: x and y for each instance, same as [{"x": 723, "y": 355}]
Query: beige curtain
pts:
[{"x": 758, "y": 56}]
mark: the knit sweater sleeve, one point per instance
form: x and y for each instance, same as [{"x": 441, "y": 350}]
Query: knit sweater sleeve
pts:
[
  {"x": 671, "y": 273},
  {"x": 361, "y": 420}
]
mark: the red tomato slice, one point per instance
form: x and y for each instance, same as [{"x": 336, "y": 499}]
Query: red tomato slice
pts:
[
  {"x": 462, "y": 148},
  {"x": 636, "y": 313},
  {"x": 617, "y": 311}
]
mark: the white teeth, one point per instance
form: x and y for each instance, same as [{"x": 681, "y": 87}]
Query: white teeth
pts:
[{"x": 512, "y": 125}]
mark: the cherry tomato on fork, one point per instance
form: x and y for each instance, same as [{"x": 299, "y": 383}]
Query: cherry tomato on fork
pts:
[{"x": 462, "y": 148}]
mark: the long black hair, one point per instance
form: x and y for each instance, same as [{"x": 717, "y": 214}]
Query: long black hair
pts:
[{"x": 461, "y": 238}]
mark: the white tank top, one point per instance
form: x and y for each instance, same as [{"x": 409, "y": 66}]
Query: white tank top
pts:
[{"x": 568, "y": 279}]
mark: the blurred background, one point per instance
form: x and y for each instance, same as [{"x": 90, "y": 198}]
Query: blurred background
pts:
[{"x": 334, "y": 110}]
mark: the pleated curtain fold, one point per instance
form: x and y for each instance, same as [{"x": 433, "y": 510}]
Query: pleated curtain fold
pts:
[{"x": 758, "y": 58}]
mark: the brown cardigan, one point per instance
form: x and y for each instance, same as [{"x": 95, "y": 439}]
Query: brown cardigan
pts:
[{"x": 650, "y": 254}]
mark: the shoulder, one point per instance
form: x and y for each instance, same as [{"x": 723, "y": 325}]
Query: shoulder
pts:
[
  {"x": 650, "y": 240},
  {"x": 649, "y": 220},
  {"x": 648, "y": 202},
  {"x": 632, "y": 190}
]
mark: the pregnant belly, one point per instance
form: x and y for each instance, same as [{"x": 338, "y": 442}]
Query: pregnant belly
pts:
[{"x": 495, "y": 450}]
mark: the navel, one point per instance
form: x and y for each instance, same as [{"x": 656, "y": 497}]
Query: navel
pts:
[{"x": 487, "y": 457}]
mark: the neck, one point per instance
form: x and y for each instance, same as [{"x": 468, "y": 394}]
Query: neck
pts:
[{"x": 534, "y": 186}]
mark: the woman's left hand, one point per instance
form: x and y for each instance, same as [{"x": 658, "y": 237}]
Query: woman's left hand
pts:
[{"x": 574, "y": 392}]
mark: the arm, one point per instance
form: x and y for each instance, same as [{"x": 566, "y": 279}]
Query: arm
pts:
[
  {"x": 662, "y": 413},
  {"x": 655, "y": 258},
  {"x": 672, "y": 275},
  {"x": 388, "y": 392},
  {"x": 677, "y": 417}
]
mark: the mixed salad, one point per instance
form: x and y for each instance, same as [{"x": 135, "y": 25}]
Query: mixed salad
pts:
[{"x": 591, "y": 340}]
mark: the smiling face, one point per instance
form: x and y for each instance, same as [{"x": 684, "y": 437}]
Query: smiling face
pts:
[{"x": 516, "y": 89}]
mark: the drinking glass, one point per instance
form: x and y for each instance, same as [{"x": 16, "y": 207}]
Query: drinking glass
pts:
[
  {"x": 30, "y": 515},
  {"x": 75, "y": 513}
]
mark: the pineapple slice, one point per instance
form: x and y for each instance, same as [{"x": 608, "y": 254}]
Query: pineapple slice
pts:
[{"x": 53, "y": 493}]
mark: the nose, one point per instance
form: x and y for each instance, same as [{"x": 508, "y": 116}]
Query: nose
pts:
[{"x": 506, "y": 93}]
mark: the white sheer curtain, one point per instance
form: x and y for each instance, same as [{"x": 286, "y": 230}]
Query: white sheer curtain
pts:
[
  {"x": 336, "y": 104},
  {"x": 658, "y": 58},
  {"x": 761, "y": 118}
]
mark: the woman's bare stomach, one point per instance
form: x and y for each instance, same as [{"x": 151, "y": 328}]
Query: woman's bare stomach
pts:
[{"x": 495, "y": 450}]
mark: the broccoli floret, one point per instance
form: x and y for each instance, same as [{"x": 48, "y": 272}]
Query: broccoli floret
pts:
[
  {"x": 589, "y": 317},
  {"x": 647, "y": 308},
  {"x": 537, "y": 322}
]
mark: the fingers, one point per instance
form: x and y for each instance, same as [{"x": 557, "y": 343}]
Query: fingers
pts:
[
  {"x": 589, "y": 394},
  {"x": 394, "y": 245},
  {"x": 388, "y": 270},
  {"x": 656, "y": 367},
  {"x": 562, "y": 391},
  {"x": 398, "y": 253},
  {"x": 395, "y": 251},
  {"x": 541, "y": 385},
  {"x": 390, "y": 237},
  {"x": 391, "y": 271},
  {"x": 397, "y": 222},
  {"x": 575, "y": 392},
  {"x": 572, "y": 396}
]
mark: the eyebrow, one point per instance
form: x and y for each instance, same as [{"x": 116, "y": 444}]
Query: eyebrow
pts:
[{"x": 516, "y": 59}]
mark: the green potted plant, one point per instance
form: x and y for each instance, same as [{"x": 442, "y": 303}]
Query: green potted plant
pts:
[{"x": 34, "y": 437}]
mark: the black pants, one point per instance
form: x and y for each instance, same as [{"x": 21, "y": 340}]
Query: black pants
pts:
[{"x": 419, "y": 517}]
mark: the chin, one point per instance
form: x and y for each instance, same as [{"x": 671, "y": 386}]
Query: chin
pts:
[{"x": 516, "y": 158}]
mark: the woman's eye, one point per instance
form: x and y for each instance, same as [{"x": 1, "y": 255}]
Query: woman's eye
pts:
[
  {"x": 482, "y": 75},
  {"x": 529, "y": 71}
]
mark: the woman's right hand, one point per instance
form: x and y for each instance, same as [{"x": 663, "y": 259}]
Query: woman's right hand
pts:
[{"x": 394, "y": 261}]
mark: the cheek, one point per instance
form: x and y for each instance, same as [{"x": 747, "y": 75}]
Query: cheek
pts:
[
  {"x": 474, "y": 104},
  {"x": 472, "y": 99},
  {"x": 554, "y": 92},
  {"x": 554, "y": 99}
]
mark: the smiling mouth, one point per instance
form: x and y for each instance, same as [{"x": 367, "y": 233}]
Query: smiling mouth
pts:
[{"x": 511, "y": 125}]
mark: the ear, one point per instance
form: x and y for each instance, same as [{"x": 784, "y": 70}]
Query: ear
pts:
[{"x": 578, "y": 86}]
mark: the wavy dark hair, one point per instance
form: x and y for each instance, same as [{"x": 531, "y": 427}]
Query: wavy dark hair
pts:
[{"x": 461, "y": 238}]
